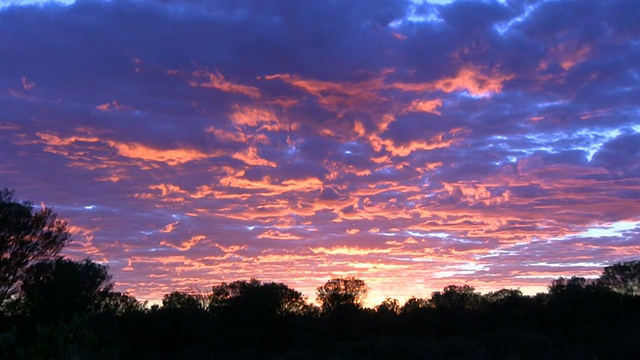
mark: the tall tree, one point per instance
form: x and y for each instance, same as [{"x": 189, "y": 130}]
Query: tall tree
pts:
[
  {"x": 255, "y": 298},
  {"x": 117, "y": 303},
  {"x": 184, "y": 301},
  {"x": 455, "y": 297},
  {"x": 388, "y": 306},
  {"x": 26, "y": 237},
  {"x": 342, "y": 292},
  {"x": 622, "y": 277},
  {"x": 574, "y": 286},
  {"x": 414, "y": 304},
  {"x": 503, "y": 296},
  {"x": 57, "y": 289}
]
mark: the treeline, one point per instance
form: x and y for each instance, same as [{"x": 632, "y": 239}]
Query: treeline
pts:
[{"x": 56, "y": 308}]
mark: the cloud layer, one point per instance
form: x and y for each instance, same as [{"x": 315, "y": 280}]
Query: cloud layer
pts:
[{"x": 413, "y": 145}]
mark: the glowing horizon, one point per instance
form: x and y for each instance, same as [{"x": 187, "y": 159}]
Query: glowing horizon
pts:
[{"x": 411, "y": 144}]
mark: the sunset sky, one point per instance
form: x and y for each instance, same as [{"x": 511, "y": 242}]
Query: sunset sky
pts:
[{"x": 411, "y": 144}]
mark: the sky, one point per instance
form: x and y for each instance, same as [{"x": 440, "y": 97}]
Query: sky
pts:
[{"x": 413, "y": 145}]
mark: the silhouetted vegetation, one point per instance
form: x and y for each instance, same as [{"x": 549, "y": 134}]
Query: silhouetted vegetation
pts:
[
  {"x": 57, "y": 308},
  {"x": 26, "y": 237}
]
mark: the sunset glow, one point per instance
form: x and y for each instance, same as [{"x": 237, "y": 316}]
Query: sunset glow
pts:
[{"x": 411, "y": 144}]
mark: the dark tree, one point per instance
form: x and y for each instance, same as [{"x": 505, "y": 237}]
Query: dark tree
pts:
[
  {"x": 456, "y": 297},
  {"x": 414, "y": 304},
  {"x": 117, "y": 303},
  {"x": 183, "y": 301},
  {"x": 389, "y": 305},
  {"x": 55, "y": 289},
  {"x": 622, "y": 277},
  {"x": 26, "y": 237},
  {"x": 254, "y": 297},
  {"x": 574, "y": 286},
  {"x": 342, "y": 292},
  {"x": 503, "y": 296}
]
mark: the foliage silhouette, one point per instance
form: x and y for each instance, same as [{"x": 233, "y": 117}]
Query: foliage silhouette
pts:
[
  {"x": 258, "y": 299},
  {"x": 342, "y": 293},
  {"x": 119, "y": 304},
  {"x": 413, "y": 305},
  {"x": 56, "y": 289},
  {"x": 26, "y": 237},
  {"x": 578, "y": 318},
  {"x": 622, "y": 277},
  {"x": 185, "y": 302},
  {"x": 68, "y": 311},
  {"x": 455, "y": 297},
  {"x": 389, "y": 306}
]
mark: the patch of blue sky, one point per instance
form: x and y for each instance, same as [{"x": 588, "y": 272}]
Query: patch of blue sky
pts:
[
  {"x": 462, "y": 269},
  {"x": 7, "y": 3},
  {"x": 432, "y": 15},
  {"x": 569, "y": 264},
  {"x": 503, "y": 28},
  {"x": 616, "y": 229},
  {"x": 589, "y": 141},
  {"x": 498, "y": 252},
  {"x": 610, "y": 230}
]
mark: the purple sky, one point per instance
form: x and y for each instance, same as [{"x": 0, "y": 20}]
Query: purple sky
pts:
[{"x": 413, "y": 145}]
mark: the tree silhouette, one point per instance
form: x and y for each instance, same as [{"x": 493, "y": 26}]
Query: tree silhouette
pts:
[
  {"x": 389, "y": 306},
  {"x": 66, "y": 309},
  {"x": 502, "y": 296},
  {"x": 574, "y": 286},
  {"x": 255, "y": 298},
  {"x": 183, "y": 301},
  {"x": 342, "y": 292},
  {"x": 57, "y": 289},
  {"x": 622, "y": 277},
  {"x": 456, "y": 297},
  {"x": 118, "y": 303},
  {"x": 26, "y": 237},
  {"x": 414, "y": 304}
]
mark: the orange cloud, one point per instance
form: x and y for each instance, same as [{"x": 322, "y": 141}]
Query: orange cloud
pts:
[
  {"x": 217, "y": 81},
  {"x": 468, "y": 78},
  {"x": 230, "y": 249},
  {"x": 567, "y": 55},
  {"x": 170, "y": 227},
  {"x": 110, "y": 106},
  {"x": 232, "y": 136},
  {"x": 348, "y": 250},
  {"x": 251, "y": 157},
  {"x": 473, "y": 81},
  {"x": 399, "y": 36},
  {"x": 473, "y": 193},
  {"x": 368, "y": 95},
  {"x": 185, "y": 245},
  {"x": 442, "y": 140},
  {"x": 262, "y": 118},
  {"x": 266, "y": 186},
  {"x": 83, "y": 243},
  {"x": 54, "y": 140},
  {"x": 58, "y": 145},
  {"x": 172, "y": 157},
  {"x": 339, "y": 96},
  {"x": 252, "y": 116},
  {"x": 428, "y": 106},
  {"x": 27, "y": 85},
  {"x": 278, "y": 235}
]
